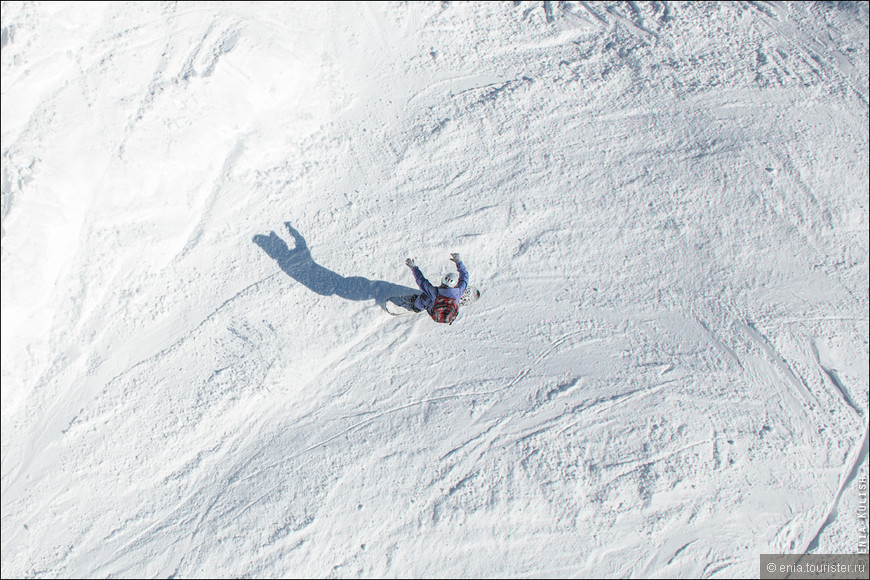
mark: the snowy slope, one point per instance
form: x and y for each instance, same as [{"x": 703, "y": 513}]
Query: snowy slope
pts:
[{"x": 204, "y": 205}]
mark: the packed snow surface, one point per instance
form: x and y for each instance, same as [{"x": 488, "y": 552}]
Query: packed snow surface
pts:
[{"x": 205, "y": 205}]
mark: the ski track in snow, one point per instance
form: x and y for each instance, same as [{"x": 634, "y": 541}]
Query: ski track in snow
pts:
[{"x": 664, "y": 204}]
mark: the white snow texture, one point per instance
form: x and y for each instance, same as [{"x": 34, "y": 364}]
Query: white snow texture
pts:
[{"x": 205, "y": 205}]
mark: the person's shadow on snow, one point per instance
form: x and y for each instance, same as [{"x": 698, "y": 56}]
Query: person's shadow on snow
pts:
[{"x": 298, "y": 264}]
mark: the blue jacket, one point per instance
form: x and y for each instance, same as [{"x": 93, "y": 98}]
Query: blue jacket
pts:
[{"x": 426, "y": 300}]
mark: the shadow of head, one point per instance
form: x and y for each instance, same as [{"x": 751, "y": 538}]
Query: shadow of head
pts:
[{"x": 274, "y": 246}]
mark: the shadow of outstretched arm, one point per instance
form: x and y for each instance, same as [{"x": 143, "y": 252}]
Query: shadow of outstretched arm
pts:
[{"x": 299, "y": 265}]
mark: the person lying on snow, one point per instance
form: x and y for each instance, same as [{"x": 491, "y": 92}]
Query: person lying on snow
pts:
[{"x": 442, "y": 303}]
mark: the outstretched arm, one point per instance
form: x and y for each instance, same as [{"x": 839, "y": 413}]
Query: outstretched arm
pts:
[
  {"x": 427, "y": 288},
  {"x": 463, "y": 273}
]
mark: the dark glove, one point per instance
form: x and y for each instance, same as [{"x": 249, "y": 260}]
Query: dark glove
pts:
[{"x": 410, "y": 263}]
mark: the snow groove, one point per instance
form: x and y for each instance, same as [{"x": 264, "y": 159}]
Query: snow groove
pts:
[{"x": 663, "y": 203}]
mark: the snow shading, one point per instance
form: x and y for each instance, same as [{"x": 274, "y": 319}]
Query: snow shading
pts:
[{"x": 206, "y": 205}]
